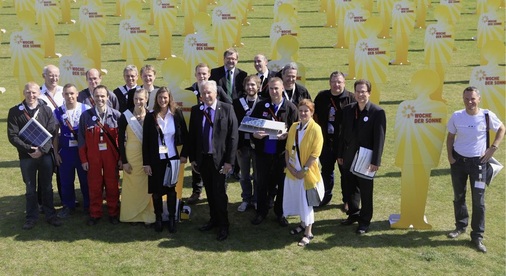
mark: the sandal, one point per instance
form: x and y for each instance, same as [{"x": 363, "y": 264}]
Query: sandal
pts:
[
  {"x": 297, "y": 230},
  {"x": 305, "y": 240}
]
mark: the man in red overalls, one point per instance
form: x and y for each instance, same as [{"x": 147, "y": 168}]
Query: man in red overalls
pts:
[{"x": 98, "y": 151}]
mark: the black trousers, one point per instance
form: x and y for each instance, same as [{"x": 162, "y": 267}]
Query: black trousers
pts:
[
  {"x": 161, "y": 190},
  {"x": 270, "y": 174},
  {"x": 216, "y": 191},
  {"x": 361, "y": 191}
]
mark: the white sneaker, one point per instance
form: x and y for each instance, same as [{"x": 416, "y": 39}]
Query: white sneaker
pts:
[{"x": 243, "y": 206}]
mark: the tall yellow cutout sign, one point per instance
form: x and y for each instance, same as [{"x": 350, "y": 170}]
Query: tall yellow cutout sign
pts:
[
  {"x": 490, "y": 79},
  {"x": 385, "y": 12},
  {"x": 403, "y": 20},
  {"x": 439, "y": 41},
  {"x": 200, "y": 46},
  {"x": 354, "y": 30},
  {"x": 420, "y": 128},
  {"x": 73, "y": 68},
  {"x": 133, "y": 35},
  {"x": 27, "y": 54},
  {"x": 47, "y": 18},
  {"x": 490, "y": 25},
  {"x": 226, "y": 26},
  {"x": 342, "y": 6},
  {"x": 92, "y": 25},
  {"x": 371, "y": 59},
  {"x": 287, "y": 25},
  {"x": 165, "y": 20}
]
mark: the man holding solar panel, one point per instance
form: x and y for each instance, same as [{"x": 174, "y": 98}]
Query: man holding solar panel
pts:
[{"x": 30, "y": 129}]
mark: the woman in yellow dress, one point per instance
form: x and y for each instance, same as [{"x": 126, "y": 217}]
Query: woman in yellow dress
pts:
[{"x": 136, "y": 203}]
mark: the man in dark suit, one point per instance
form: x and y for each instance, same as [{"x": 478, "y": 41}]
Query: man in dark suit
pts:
[
  {"x": 270, "y": 153},
  {"x": 294, "y": 92},
  {"x": 328, "y": 114},
  {"x": 260, "y": 62},
  {"x": 228, "y": 76},
  {"x": 212, "y": 149},
  {"x": 130, "y": 75},
  {"x": 202, "y": 75},
  {"x": 363, "y": 125}
]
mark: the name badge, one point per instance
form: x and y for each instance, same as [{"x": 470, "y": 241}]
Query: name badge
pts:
[
  {"x": 479, "y": 185},
  {"x": 163, "y": 149},
  {"x": 102, "y": 146},
  {"x": 291, "y": 161},
  {"x": 72, "y": 143}
]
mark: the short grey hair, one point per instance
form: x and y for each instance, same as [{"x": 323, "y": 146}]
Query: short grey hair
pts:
[
  {"x": 210, "y": 84},
  {"x": 290, "y": 66},
  {"x": 129, "y": 68}
]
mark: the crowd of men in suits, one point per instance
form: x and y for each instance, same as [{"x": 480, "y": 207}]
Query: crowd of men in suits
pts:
[{"x": 224, "y": 96}]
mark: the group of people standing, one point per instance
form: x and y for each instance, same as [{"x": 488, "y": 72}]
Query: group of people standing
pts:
[{"x": 141, "y": 129}]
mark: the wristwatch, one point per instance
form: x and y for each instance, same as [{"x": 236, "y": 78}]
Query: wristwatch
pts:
[
  {"x": 494, "y": 147},
  {"x": 305, "y": 169}
]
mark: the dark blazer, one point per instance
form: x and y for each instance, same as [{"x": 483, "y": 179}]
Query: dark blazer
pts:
[
  {"x": 323, "y": 104},
  {"x": 122, "y": 98},
  {"x": 264, "y": 90},
  {"x": 150, "y": 147},
  {"x": 222, "y": 95},
  {"x": 287, "y": 113},
  {"x": 299, "y": 94},
  {"x": 130, "y": 100},
  {"x": 364, "y": 128},
  {"x": 224, "y": 135},
  {"x": 218, "y": 75},
  {"x": 240, "y": 113}
]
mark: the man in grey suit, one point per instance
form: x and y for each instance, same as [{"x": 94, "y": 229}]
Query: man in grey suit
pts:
[{"x": 213, "y": 145}]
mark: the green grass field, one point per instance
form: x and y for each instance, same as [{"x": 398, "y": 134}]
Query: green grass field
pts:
[{"x": 76, "y": 249}]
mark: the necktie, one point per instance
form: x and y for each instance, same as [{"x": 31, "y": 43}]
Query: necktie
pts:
[
  {"x": 229, "y": 83},
  {"x": 207, "y": 130},
  {"x": 262, "y": 82}
]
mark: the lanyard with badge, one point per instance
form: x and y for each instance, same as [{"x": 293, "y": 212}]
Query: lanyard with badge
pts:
[
  {"x": 103, "y": 145},
  {"x": 162, "y": 149},
  {"x": 28, "y": 117},
  {"x": 273, "y": 112},
  {"x": 50, "y": 99},
  {"x": 73, "y": 134}
]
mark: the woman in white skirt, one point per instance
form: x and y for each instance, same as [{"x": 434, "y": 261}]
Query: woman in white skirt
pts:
[{"x": 303, "y": 147}]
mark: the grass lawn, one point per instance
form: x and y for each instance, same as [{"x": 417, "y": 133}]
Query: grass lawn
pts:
[{"x": 76, "y": 249}]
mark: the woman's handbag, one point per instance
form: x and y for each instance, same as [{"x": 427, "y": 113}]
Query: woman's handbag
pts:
[
  {"x": 171, "y": 173},
  {"x": 315, "y": 195}
]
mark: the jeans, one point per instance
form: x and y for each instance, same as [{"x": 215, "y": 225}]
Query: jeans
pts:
[
  {"x": 70, "y": 164},
  {"x": 42, "y": 169},
  {"x": 461, "y": 170},
  {"x": 246, "y": 162}
]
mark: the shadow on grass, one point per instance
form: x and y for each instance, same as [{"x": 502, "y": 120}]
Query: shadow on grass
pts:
[
  {"x": 434, "y": 172},
  {"x": 380, "y": 235},
  {"x": 9, "y": 164},
  {"x": 244, "y": 237}
]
